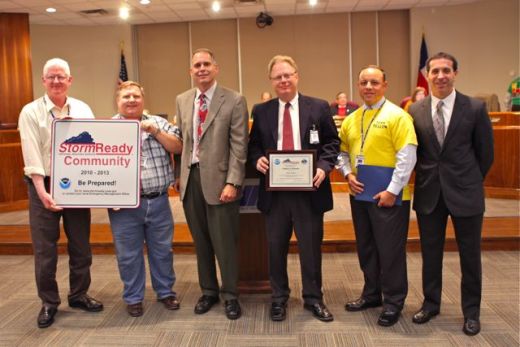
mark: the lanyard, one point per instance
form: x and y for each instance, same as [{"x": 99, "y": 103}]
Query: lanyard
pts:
[
  {"x": 50, "y": 111},
  {"x": 364, "y": 135}
]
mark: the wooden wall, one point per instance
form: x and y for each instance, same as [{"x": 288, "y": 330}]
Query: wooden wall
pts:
[{"x": 15, "y": 67}]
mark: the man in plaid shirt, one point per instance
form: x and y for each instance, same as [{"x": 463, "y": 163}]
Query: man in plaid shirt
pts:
[{"x": 152, "y": 221}]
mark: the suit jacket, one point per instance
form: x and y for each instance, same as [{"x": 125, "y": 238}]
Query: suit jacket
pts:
[
  {"x": 460, "y": 166},
  {"x": 223, "y": 143},
  {"x": 351, "y": 107},
  {"x": 264, "y": 136}
]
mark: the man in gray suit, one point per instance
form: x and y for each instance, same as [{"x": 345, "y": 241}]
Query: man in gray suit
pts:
[
  {"x": 213, "y": 121},
  {"x": 454, "y": 154}
]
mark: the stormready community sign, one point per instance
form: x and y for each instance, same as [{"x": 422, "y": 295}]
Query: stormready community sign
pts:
[{"x": 95, "y": 163}]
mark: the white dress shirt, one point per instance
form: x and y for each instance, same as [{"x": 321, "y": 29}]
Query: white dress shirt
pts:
[
  {"x": 35, "y": 124},
  {"x": 209, "y": 96},
  {"x": 295, "y": 121}
]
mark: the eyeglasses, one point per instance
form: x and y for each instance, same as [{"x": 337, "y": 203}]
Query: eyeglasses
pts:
[
  {"x": 60, "y": 78},
  {"x": 285, "y": 76}
]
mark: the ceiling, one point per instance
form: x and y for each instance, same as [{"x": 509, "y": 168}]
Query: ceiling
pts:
[{"x": 158, "y": 11}]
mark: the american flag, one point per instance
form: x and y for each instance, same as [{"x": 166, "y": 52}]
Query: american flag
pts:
[
  {"x": 123, "y": 74},
  {"x": 421, "y": 75}
]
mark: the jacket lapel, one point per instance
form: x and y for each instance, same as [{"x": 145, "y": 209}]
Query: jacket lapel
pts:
[
  {"x": 272, "y": 120},
  {"x": 456, "y": 117},
  {"x": 305, "y": 118},
  {"x": 188, "y": 104},
  {"x": 214, "y": 107}
]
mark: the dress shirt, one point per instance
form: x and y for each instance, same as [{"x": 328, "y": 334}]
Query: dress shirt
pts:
[
  {"x": 209, "y": 96},
  {"x": 295, "y": 121},
  {"x": 156, "y": 165},
  {"x": 35, "y": 124},
  {"x": 447, "y": 108}
]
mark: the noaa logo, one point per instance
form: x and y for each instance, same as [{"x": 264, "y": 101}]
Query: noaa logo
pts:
[
  {"x": 277, "y": 162},
  {"x": 65, "y": 183},
  {"x": 304, "y": 161}
]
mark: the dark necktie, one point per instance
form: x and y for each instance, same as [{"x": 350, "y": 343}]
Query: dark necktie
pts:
[
  {"x": 438, "y": 123},
  {"x": 203, "y": 112},
  {"x": 287, "y": 139}
]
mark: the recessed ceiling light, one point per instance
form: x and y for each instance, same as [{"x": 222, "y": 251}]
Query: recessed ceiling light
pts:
[
  {"x": 145, "y": 2},
  {"x": 124, "y": 12},
  {"x": 215, "y": 6},
  {"x": 50, "y": 10},
  {"x": 313, "y": 2}
]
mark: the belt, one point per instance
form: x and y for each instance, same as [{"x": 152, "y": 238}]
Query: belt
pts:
[
  {"x": 153, "y": 195},
  {"x": 195, "y": 165}
]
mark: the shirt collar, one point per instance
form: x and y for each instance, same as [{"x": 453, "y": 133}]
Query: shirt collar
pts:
[
  {"x": 293, "y": 102},
  {"x": 208, "y": 93},
  {"x": 375, "y": 106},
  {"x": 49, "y": 105},
  {"x": 448, "y": 101}
]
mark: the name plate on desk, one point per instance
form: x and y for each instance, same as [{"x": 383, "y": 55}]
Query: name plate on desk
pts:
[
  {"x": 291, "y": 170},
  {"x": 95, "y": 163}
]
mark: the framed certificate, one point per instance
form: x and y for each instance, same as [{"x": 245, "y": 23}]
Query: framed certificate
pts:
[
  {"x": 95, "y": 163},
  {"x": 291, "y": 170}
]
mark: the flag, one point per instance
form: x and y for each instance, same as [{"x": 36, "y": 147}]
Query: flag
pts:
[
  {"x": 421, "y": 75},
  {"x": 123, "y": 74}
]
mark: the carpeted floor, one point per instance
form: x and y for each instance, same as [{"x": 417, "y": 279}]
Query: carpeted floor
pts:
[{"x": 343, "y": 280}]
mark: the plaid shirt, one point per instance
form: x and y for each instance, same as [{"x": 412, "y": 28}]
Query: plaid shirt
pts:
[{"x": 156, "y": 163}]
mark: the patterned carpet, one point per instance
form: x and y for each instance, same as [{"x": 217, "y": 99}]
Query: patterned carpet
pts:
[{"x": 342, "y": 281}]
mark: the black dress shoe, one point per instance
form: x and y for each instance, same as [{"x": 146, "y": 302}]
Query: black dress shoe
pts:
[
  {"x": 278, "y": 311},
  {"x": 135, "y": 310},
  {"x": 388, "y": 318},
  {"x": 46, "y": 316},
  {"x": 423, "y": 316},
  {"x": 86, "y": 303},
  {"x": 471, "y": 326},
  {"x": 361, "y": 304},
  {"x": 170, "y": 302},
  {"x": 205, "y": 303},
  {"x": 232, "y": 308},
  {"x": 320, "y": 311}
]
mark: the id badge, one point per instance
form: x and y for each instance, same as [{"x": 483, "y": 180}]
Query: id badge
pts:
[
  {"x": 314, "y": 138},
  {"x": 360, "y": 159}
]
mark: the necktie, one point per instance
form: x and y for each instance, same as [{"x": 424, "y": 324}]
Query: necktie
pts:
[
  {"x": 203, "y": 112},
  {"x": 287, "y": 139},
  {"x": 438, "y": 123}
]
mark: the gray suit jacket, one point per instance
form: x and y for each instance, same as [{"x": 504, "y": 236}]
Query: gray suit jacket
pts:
[
  {"x": 459, "y": 167},
  {"x": 223, "y": 144}
]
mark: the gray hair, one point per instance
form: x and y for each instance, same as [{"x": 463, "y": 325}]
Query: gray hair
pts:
[{"x": 56, "y": 62}]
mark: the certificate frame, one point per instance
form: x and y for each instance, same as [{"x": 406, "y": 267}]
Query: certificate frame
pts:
[{"x": 284, "y": 166}]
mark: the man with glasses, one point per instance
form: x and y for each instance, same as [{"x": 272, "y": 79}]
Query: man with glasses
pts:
[
  {"x": 44, "y": 216},
  {"x": 294, "y": 122},
  {"x": 213, "y": 121},
  {"x": 379, "y": 134}
]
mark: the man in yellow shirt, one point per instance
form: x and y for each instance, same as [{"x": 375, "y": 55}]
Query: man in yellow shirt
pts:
[{"x": 379, "y": 134}]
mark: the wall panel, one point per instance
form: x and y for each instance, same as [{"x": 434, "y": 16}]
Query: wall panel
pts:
[
  {"x": 15, "y": 67},
  {"x": 394, "y": 44},
  {"x": 318, "y": 43},
  {"x": 364, "y": 45},
  {"x": 164, "y": 55},
  {"x": 221, "y": 37}
]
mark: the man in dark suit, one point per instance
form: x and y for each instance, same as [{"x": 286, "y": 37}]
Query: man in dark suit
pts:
[
  {"x": 213, "y": 121},
  {"x": 294, "y": 122},
  {"x": 454, "y": 154}
]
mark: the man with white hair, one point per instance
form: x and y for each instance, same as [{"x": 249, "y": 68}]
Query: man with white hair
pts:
[{"x": 44, "y": 216}]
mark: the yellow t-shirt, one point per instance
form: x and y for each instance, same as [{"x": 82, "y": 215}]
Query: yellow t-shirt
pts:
[{"x": 391, "y": 130}]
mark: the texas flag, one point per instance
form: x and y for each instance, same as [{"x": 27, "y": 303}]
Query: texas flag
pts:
[{"x": 421, "y": 75}]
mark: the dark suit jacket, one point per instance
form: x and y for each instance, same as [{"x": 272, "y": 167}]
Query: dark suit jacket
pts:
[
  {"x": 264, "y": 136},
  {"x": 460, "y": 166}
]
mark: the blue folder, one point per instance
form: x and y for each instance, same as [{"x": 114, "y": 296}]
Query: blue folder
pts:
[{"x": 376, "y": 179}]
